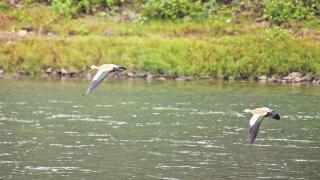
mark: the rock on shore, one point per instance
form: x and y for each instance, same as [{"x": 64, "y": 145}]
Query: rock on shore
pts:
[{"x": 294, "y": 77}]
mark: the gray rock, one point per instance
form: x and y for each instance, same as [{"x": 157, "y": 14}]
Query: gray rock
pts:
[
  {"x": 1, "y": 71},
  {"x": 49, "y": 70},
  {"x": 287, "y": 78},
  {"x": 297, "y": 80},
  {"x": 22, "y": 33},
  {"x": 62, "y": 72},
  {"x": 262, "y": 78},
  {"x": 55, "y": 73},
  {"x": 272, "y": 79},
  {"x": 184, "y": 78},
  {"x": 149, "y": 77},
  {"x": 27, "y": 28},
  {"x": 32, "y": 33},
  {"x": 130, "y": 75},
  {"x": 294, "y": 75},
  {"x": 161, "y": 78},
  {"x": 307, "y": 78}
]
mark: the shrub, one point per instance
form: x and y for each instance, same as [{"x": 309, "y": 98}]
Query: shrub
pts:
[
  {"x": 63, "y": 8},
  {"x": 19, "y": 15},
  {"x": 281, "y": 11},
  {"x": 70, "y": 8},
  {"x": 4, "y": 5},
  {"x": 177, "y": 9}
]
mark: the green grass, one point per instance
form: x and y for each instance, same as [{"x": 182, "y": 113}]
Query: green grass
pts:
[
  {"x": 42, "y": 17},
  {"x": 237, "y": 56},
  {"x": 216, "y": 47}
]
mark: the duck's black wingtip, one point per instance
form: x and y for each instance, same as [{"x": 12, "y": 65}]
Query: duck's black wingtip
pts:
[{"x": 276, "y": 117}]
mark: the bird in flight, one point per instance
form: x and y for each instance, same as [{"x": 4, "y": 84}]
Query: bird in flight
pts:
[
  {"x": 258, "y": 115},
  {"x": 103, "y": 71}
]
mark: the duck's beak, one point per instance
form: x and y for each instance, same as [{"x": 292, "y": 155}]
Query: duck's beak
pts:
[
  {"x": 119, "y": 69},
  {"x": 273, "y": 115}
]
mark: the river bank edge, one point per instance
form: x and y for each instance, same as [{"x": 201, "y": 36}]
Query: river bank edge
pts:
[{"x": 63, "y": 74}]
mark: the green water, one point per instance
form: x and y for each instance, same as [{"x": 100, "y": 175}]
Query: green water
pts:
[{"x": 156, "y": 130}]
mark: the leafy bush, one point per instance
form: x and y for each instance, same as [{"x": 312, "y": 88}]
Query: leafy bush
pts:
[
  {"x": 64, "y": 8},
  {"x": 70, "y": 8},
  {"x": 281, "y": 11},
  {"x": 4, "y": 5},
  {"x": 177, "y": 9},
  {"x": 20, "y": 15}
]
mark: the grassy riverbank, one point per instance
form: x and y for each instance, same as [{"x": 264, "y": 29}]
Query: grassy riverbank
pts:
[
  {"x": 240, "y": 56},
  {"x": 217, "y": 47}
]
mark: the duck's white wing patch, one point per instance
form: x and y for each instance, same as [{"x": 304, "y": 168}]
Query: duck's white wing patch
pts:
[
  {"x": 98, "y": 74},
  {"x": 254, "y": 119},
  {"x": 254, "y": 123},
  {"x": 97, "y": 79}
]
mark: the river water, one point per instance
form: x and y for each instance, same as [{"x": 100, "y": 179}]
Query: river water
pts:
[{"x": 130, "y": 129}]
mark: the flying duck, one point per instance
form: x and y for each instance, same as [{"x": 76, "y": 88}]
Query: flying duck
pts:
[
  {"x": 102, "y": 73},
  {"x": 258, "y": 115}
]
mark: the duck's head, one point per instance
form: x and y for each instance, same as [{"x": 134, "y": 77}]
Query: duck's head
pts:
[{"x": 272, "y": 114}]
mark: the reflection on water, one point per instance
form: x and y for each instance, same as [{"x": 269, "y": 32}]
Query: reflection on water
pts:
[{"x": 140, "y": 130}]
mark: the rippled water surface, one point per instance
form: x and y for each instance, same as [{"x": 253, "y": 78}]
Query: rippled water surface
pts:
[{"x": 158, "y": 130}]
